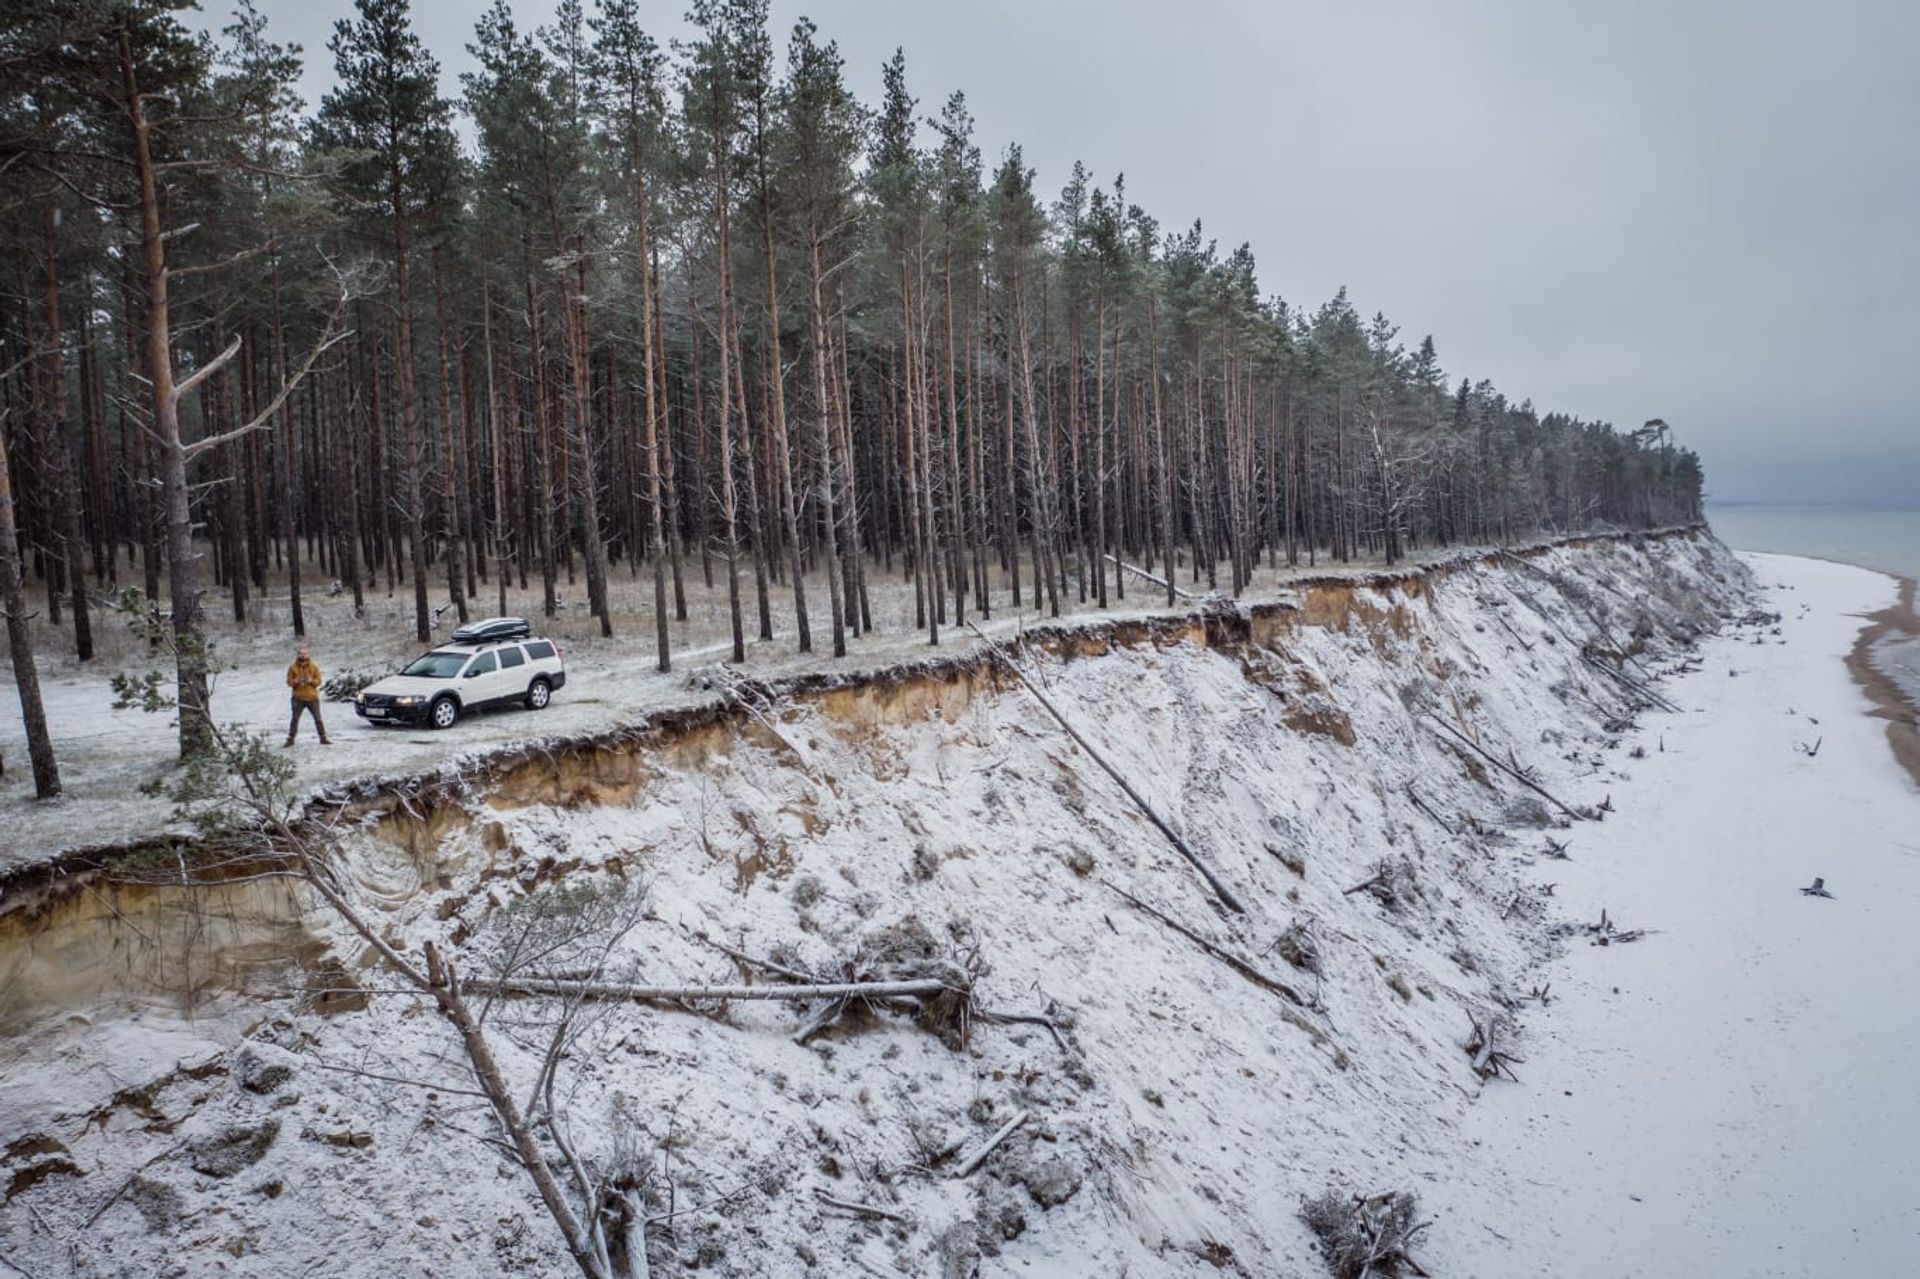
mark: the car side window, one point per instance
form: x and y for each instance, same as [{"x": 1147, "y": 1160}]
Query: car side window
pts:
[
  {"x": 539, "y": 649},
  {"x": 510, "y": 657},
  {"x": 482, "y": 665}
]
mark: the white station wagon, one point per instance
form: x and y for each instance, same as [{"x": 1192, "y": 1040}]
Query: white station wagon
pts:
[{"x": 495, "y": 662}]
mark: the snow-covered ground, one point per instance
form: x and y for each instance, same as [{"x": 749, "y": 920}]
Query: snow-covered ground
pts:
[
  {"x": 1186, "y": 1111},
  {"x": 107, "y": 756},
  {"x": 1736, "y": 1094}
]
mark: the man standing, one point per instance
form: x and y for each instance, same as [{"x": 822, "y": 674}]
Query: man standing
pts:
[{"x": 303, "y": 677}]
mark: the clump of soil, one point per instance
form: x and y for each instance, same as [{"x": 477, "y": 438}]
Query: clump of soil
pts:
[{"x": 235, "y": 1148}]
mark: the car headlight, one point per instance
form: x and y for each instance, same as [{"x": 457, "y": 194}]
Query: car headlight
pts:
[
  {"x": 360, "y": 698},
  {"x": 405, "y": 701}
]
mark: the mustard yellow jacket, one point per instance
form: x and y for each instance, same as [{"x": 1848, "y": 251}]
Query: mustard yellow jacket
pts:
[{"x": 304, "y": 679}]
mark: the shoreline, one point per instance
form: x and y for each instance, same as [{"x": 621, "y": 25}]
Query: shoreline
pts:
[
  {"x": 1890, "y": 702},
  {"x": 1678, "y": 1115}
]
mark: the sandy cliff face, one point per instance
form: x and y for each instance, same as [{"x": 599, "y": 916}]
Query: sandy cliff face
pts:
[{"x": 1363, "y": 767}]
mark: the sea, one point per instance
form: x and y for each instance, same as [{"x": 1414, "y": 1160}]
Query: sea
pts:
[{"x": 1872, "y": 537}]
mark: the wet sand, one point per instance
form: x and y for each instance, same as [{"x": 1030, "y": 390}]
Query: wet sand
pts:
[{"x": 1890, "y": 701}]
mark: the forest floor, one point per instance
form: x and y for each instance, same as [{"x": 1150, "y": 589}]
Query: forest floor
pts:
[
  {"x": 107, "y": 755},
  {"x": 1734, "y": 1095}
]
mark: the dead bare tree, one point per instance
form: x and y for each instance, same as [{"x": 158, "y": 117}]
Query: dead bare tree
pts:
[{"x": 242, "y": 791}]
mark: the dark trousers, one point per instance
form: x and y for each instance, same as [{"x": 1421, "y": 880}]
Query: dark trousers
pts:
[{"x": 311, "y": 708}]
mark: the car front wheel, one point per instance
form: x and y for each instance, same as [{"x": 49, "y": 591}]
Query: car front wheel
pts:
[
  {"x": 539, "y": 693},
  {"x": 444, "y": 713}
]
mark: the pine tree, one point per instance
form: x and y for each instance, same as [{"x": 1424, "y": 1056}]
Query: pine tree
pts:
[
  {"x": 821, "y": 136},
  {"x": 627, "y": 87},
  {"x": 387, "y": 122}
]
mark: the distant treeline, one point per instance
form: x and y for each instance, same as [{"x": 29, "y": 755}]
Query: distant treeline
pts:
[{"x": 687, "y": 310}]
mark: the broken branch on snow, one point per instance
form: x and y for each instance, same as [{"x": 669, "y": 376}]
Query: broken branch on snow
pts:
[
  {"x": 1605, "y": 933},
  {"x": 979, "y": 1156},
  {"x": 1489, "y": 1060}
]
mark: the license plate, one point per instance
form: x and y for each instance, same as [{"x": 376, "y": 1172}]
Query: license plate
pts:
[{"x": 374, "y": 712}]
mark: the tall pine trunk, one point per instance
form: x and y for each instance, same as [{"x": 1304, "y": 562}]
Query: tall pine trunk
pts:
[
  {"x": 777, "y": 415},
  {"x": 190, "y": 658},
  {"x": 413, "y": 454},
  {"x": 63, "y": 452},
  {"x": 26, "y": 676},
  {"x": 450, "y": 476}
]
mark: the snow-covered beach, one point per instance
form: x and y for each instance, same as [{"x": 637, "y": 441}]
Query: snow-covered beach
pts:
[{"x": 1736, "y": 1094}]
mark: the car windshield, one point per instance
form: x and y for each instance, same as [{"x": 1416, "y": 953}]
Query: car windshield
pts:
[{"x": 437, "y": 665}]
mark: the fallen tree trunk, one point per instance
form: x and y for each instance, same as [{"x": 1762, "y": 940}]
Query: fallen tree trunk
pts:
[
  {"x": 1506, "y": 768},
  {"x": 1508, "y": 628},
  {"x": 1630, "y": 684},
  {"x": 566, "y": 988},
  {"x": 1421, "y": 804},
  {"x": 1160, "y": 582},
  {"x": 1214, "y": 882},
  {"x": 857, "y": 1208},
  {"x": 449, "y": 992},
  {"x": 1225, "y": 956}
]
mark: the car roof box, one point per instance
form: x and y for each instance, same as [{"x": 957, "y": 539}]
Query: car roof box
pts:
[{"x": 490, "y": 629}]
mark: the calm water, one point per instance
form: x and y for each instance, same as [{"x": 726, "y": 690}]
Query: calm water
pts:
[{"x": 1882, "y": 539}]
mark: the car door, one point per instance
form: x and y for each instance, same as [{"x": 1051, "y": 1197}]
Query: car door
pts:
[
  {"x": 514, "y": 675},
  {"x": 480, "y": 683}
]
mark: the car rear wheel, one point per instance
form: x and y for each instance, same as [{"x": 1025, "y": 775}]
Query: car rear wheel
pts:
[
  {"x": 444, "y": 712},
  {"x": 539, "y": 693}
]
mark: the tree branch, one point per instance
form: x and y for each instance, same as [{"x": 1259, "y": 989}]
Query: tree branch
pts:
[
  {"x": 204, "y": 372},
  {"x": 328, "y": 338}
]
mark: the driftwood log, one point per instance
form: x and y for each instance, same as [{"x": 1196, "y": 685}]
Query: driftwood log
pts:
[
  {"x": 857, "y": 1209},
  {"x": 1629, "y": 683}
]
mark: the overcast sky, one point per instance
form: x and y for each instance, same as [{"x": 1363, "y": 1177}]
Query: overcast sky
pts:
[{"x": 1707, "y": 212}]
